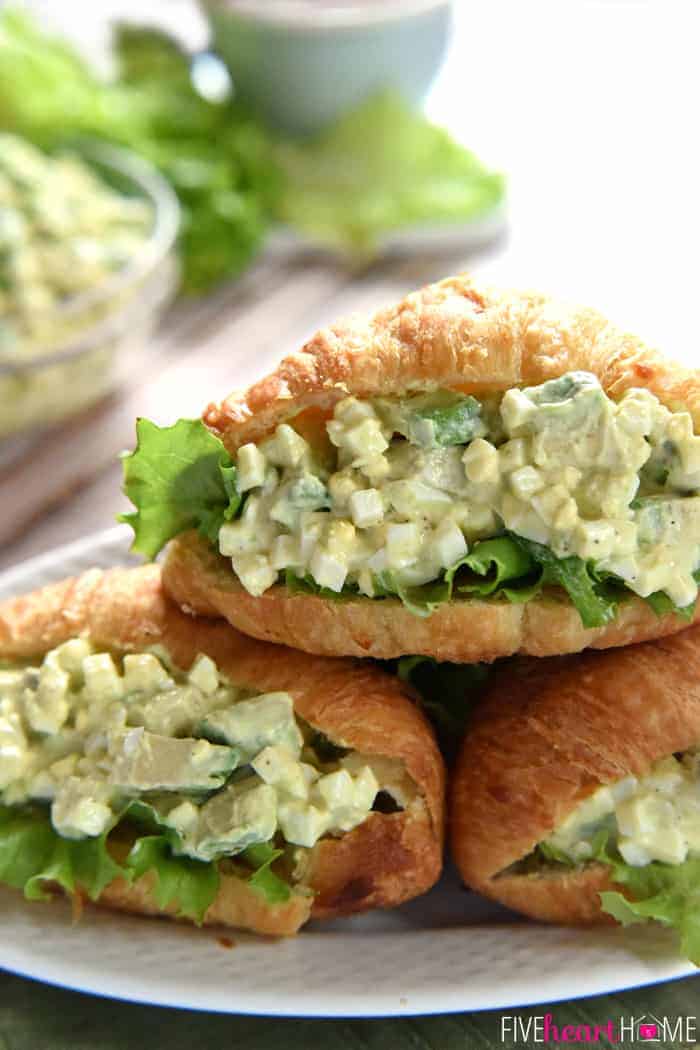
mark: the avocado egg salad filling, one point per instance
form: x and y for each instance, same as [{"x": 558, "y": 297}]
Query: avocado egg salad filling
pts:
[
  {"x": 63, "y": 232},
  {"x": 647, "y": 829},
  {"x": 196, "y": 774},
  {"x": 440, "y": 496}
]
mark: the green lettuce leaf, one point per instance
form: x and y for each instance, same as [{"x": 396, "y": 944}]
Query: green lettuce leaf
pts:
[
  {"x": 306, "y": 584},
  {"x": 380, "y": 168},
  {"x": 666, "y": 893},
  {"x": 178, "y": 478},
  {"x": 32, "y": 856},
  {"x": 507, "y": 567},
  {"x": 494, "y": 564},
  {"x": 663, "y": 605},
  {"x": 599, "y": 850},
  {"x": 595, "y": 607},
  {"x": 420, "y": 600},
  {"x": 438, "y": 419},
  {"x": 447, "y": 693},
  {"x": 515, "y": 569},
  {"x": 260, "y": 857},
  {"x": 148, "y": 55},
  {"x": 191, "y": 884},
  {"x": 552, "y": 855}
]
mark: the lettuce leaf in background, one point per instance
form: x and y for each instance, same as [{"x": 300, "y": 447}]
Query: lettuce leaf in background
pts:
[
  {"x": 381, "y": 167},
  {"x": 216, "y": 156}
]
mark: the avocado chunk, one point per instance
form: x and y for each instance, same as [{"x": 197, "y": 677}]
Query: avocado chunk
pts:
[
  {"x": 251, "y": 725},
  {"x": 564, "y": 388},
  {"x": 664, "y": 458},
  {"x": 437, "y": 419},
  {"x": 565, "y": 402},
  {"x": 241, "y": 815},
  {"x": 144, "y": 761},
  {"x": 305, "y": 493},
  {"x": 173, "y": 712}
]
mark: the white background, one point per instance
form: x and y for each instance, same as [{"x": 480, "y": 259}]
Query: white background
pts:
[{"x": 591, "y": 108}]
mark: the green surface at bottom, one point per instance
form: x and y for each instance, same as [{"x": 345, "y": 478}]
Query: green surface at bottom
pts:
[{"x": 37, "y": 1017}]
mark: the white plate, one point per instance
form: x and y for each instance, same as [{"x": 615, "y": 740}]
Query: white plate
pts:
[{"x": 447, "y": 951}]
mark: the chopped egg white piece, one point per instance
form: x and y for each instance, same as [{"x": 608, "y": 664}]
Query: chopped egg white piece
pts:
[{"x": 251, "y": 464}]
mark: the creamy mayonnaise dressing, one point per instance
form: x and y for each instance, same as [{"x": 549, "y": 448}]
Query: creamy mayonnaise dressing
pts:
[
  {"x": 88, "y": 732},
  {"x": 655, "y": 817},
  {"x": 416, "y": 481}
]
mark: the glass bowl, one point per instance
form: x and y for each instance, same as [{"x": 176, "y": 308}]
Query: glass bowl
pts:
[{"x": 93, "y": 338}]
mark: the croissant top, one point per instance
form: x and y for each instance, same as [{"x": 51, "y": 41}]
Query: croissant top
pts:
[{"x": 457, "y": 334}]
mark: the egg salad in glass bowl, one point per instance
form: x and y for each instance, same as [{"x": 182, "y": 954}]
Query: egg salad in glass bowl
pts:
[{"x": 86, "y": 266}]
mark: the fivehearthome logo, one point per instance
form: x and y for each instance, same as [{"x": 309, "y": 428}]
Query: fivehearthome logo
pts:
[{"x": 647, "y": 1028}]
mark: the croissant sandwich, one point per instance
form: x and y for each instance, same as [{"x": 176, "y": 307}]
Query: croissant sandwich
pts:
[
  {"x": 168, "y": 766},
  {"x": 469, "y": 474},
  {"x": 576, "y": 796}
]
